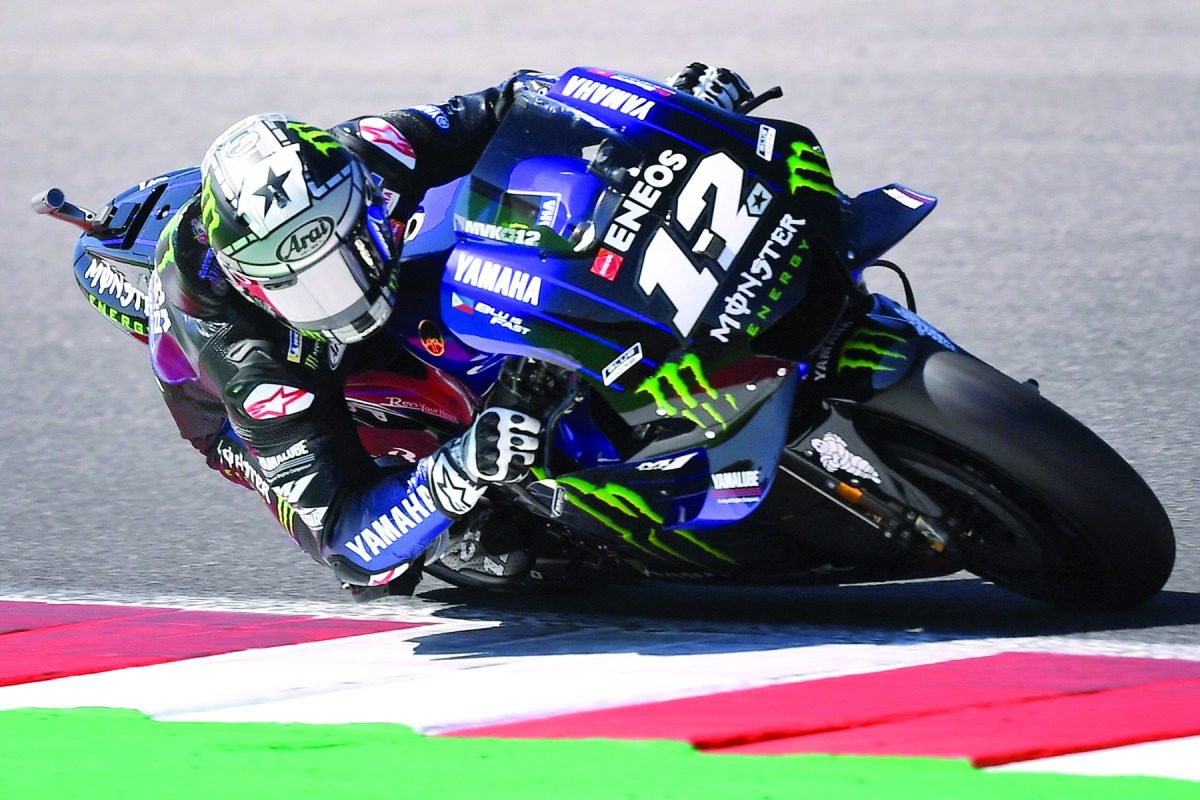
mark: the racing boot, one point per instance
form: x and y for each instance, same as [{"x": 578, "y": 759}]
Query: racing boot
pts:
[{"x": 486, "y": 548}]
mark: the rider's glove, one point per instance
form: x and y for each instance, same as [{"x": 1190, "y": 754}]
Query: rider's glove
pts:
[
  {"x": 716, "y": 85},
  {"x": 499, "y": 447}
]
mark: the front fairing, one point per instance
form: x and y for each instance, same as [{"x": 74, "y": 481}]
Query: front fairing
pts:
[
  {"x": 648, "y": 241},
  {"x": 680, "y": 511},
  {"x": 642, "y": 238}
]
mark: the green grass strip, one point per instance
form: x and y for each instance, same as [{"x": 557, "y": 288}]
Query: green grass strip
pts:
[{"x": 116, "y": 753}]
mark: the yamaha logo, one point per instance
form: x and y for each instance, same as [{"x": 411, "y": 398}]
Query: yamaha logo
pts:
[{"x": 305, "y": 240}]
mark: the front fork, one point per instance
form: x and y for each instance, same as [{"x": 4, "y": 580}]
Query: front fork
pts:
[
  {"x": 827, "y": 451},
  {"x": 832, "y": 458}
]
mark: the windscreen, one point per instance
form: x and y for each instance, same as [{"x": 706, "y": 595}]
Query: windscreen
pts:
[{"x": 551, "y": 179}]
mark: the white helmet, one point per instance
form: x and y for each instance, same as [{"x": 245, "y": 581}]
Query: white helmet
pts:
[{"x": 299, "y": 227}]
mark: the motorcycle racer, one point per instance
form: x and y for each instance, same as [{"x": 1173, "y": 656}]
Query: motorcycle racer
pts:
[{"x": 269, "y": 288}]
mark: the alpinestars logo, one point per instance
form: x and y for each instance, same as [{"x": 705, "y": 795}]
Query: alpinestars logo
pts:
[
  {"x": 270, "y": 400},
  {"x": 453, "y": 491},
  {"x": 680, "y": 383},
  {"x": 383, "y": 134},
  {"x": 869, "y": 348},
  {"x": 809, "y": 170}
]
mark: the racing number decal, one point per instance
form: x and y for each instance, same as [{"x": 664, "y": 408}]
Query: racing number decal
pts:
[
  {"x": 732, "y": 221},
  {"x": 665, "y": 266},
  {"x": 685, "y": 281}
]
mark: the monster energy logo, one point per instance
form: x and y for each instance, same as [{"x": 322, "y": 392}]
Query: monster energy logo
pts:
[
  {"x": 619, "y": 508},
  {"x": 310, "y": 334},
  {"x": 867, "y": 348},
  {"x": 315, "y": 136},
  {"x": 285, "y": 512},
  {"x": 168, "y": 235},
  {"x": 682, "y": 382},
  {"x": 802, "y": 170},
  {"x": 209, "y": 217}
]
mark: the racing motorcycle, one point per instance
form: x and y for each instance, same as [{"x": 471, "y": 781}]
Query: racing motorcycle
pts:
[{"x": 679, "y": 291}]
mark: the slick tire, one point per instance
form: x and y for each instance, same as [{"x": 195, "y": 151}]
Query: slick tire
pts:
[{"x": 1035, "y": 501}]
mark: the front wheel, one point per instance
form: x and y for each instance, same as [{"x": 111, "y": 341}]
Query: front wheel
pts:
[{"x": 1031, "y": 499}]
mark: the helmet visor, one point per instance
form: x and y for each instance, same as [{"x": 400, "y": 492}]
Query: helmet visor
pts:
[{"x": 344, "y": 296}]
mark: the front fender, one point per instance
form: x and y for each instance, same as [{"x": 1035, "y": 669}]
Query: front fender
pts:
[{"x": 961, "y": 400}]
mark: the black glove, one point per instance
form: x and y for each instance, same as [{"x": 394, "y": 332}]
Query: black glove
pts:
[
  {"x": 521, "y": 79},
  {"x": 499, "y": 447},
  {"x": 716, "y": 85}
]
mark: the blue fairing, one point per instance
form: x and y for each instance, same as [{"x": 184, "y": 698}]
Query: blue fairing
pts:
[
  {"x": 643, "y": 239},
  {"x": 880, "y": 218},
  {"x": 112, "y": 265},
  {"x": 886, "y": 307}
]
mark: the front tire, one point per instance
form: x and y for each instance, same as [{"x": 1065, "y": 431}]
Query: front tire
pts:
[{"x": 1032, "y": 499}]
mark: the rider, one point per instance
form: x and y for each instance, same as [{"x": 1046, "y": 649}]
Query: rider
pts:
[{"x": 270, "y": 284}]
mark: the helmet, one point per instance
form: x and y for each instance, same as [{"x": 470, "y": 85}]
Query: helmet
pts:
[{"x": 299, "y": 227}]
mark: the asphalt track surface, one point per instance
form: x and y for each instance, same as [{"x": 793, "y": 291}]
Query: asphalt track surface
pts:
[{"x": 1060, "y": 138}]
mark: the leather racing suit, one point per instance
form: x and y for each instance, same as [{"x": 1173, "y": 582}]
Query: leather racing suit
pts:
[{"x": 266, "y": 406}]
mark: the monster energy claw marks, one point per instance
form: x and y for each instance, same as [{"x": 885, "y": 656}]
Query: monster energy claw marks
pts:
[{"x": 680, "y": 383}]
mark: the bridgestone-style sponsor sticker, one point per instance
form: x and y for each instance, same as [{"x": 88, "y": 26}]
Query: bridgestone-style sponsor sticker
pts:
[
  {"x": 270, "y": 400},
  {"x": 607, "y": 264},
  {"x": 766, "y": 142},
  {"x": 622, "y": 364}
]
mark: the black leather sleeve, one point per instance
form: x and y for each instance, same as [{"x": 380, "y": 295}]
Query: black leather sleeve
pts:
[{"x": 443, "y": 140}]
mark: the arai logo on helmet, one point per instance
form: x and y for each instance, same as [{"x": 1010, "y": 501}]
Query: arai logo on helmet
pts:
[{"x": 305, "y": 240}]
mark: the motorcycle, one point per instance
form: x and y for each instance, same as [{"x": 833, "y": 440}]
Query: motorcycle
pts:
[{"x": 679, "y": 290}]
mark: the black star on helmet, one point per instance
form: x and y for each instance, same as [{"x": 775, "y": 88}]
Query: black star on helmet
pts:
[{"x": 274, "y": 190}]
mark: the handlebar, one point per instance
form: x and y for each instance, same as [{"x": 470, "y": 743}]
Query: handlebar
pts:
[
  {"x": 53, "y": 203},
  {"x": 773, "y": 93}
]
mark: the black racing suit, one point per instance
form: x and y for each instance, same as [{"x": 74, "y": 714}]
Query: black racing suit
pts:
[{"x": 266, "y": 405}]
